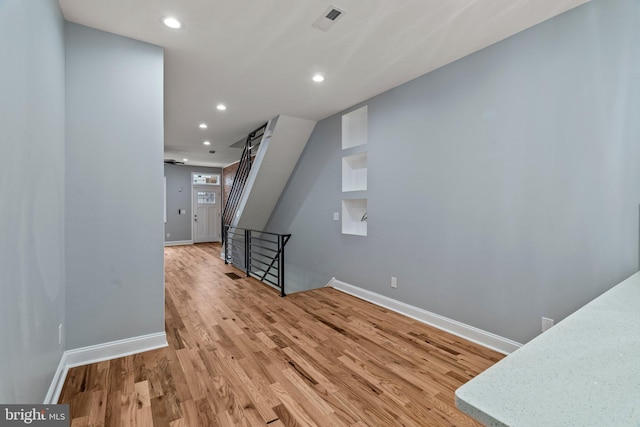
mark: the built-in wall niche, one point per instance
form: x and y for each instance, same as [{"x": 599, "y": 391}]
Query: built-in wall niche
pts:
[
  {"x": 354, "y": 217},
  {"x": 354, "y": 172},
  {"x": 354, "y": 128}
]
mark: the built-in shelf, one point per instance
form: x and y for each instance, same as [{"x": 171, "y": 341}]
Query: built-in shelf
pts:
[
  {"x": 354, "y": 128},
  {"x": 354, "y": 217},
  {"x": 354, "y": 172}
]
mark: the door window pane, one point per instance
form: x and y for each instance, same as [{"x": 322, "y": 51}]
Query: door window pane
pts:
[{"x": 206, "y": 197}]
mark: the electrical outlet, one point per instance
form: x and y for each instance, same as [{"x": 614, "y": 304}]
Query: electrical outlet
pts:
[
  {"x": 546, "y": 323},
  {"x": 394, "y": 282},
  {"x": 60, "y": 334},
  {"x": 168, "y": 234},
  {"x": 336, "y": 216}
]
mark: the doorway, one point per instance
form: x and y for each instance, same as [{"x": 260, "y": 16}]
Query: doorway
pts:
[{"x": 206, "y": 214}]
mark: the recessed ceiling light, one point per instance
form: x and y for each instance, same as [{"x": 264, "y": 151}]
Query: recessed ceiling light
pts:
[
  {"x": 172, "y": 22},
  {"x": 185, "y": 160},
  {"x": 221, "y": 107},
  {"x": 207, "y": 143},
  {"x": 318, "y": 78},
  {"x": 202, "y": 125}
]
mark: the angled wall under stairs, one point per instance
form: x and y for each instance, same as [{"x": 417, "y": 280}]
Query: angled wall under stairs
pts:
[{"x": 277, "y": 156}]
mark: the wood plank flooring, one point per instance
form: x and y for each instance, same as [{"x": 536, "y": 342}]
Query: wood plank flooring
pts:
[{"x": 240, "y": 355}]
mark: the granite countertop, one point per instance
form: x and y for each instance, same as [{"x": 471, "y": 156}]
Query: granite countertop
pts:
[{"x": 584, "y": 371}]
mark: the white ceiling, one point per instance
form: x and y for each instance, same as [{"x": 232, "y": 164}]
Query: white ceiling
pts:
[{"x": 258, "y": 56}]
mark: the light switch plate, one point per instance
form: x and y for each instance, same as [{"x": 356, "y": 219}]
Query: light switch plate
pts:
[{"x": 336, "y": 216}]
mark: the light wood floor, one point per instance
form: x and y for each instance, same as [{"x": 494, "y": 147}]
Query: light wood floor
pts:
[{"x": 239, "y": 355}]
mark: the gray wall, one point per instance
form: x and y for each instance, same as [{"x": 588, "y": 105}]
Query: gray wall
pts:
[
  {"x": 502, "y": 188},
  {"x": 179, "y": 197},
  {"x": 114, "y": 220},
  {"x": 32, "y": 277}
]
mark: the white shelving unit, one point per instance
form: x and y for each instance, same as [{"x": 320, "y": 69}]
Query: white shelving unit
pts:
[
  {"x": 354, "y": 171},
  {"x": 354, "y": 219},
  {"x": 354, "y": 128}
]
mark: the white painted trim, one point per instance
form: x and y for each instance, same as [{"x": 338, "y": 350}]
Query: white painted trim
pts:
[
  {"x": 473, "y": 334},
  {"x": 206, "y": 187},
  {"x": 114, "y": 349},
  {"x": 99, "y": 353},
  {"x": 53, "y": 394},
  {"x": 253, "y": 172},
  {"x": 178, "y": 242}
]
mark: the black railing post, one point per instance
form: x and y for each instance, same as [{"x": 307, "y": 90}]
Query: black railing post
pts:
[
  {"x": 281, "y": 264},
  {"x": 225, "y": 235},
  {"x": 247, "y": 251},
  {"x": 223, "y": 226}
]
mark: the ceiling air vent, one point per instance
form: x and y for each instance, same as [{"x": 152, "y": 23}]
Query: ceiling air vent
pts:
[
  {"x": 333, "y": 14},
  {"x": 328, "y": 18}
]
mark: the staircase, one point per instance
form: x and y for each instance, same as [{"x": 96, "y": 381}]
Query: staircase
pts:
[
  {"x": 270, "y": 154},
  {"x": 277, "y": 155}
]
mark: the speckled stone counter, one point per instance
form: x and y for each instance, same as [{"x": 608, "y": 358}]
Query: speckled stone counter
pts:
[{"x": 584, "y": 371}]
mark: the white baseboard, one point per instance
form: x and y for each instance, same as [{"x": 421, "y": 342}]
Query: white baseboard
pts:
[
  {"x": 99, "y": 353},
  {"x": 473, "y": 334},
  {"x": 114, "y": 349},
  {"x": 179, "y": 243},
  {"x": 53, "y": 394}
]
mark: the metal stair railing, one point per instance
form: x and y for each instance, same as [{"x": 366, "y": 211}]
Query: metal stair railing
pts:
[
  {"x": 259, "y": 254},
  {"x": 240, "y": 179}
]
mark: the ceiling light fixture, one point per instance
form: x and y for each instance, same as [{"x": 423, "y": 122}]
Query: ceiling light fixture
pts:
[
  {"x": 207, "y": 143},
  {"x": 185, "y": 160},
  {"x": 221, "y": 107},
  {"x": 318, "y": 78},
  {"x": 202, "y": 126},
  {"x": 172, "y": 22}
]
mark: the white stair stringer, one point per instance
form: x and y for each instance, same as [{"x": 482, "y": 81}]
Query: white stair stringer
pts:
[{"x": 277, "y": 156}]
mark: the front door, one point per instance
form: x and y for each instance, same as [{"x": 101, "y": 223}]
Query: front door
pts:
[{"x": 206, "y": 214}]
